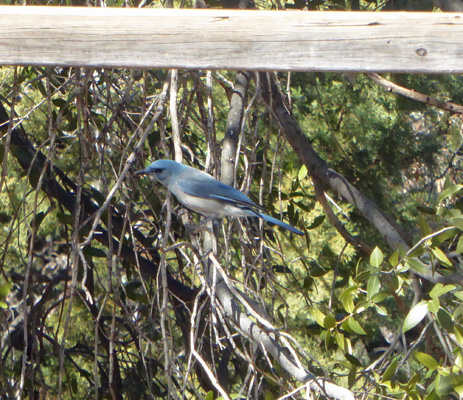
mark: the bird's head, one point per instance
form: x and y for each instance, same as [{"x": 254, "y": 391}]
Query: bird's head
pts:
[{"x": 161, "y": 170}]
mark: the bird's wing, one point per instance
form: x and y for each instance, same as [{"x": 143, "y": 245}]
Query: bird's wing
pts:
[{"x": 205, "y": 186}]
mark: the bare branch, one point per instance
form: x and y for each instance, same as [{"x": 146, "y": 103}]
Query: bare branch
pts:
[{"x": 411, "y": 94}]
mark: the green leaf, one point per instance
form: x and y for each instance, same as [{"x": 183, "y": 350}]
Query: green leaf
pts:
[
  {"x": 94, "y": 252},
  {"x": 425, "y": 359},
  {"x": 329, "y": 322},
  {"x": 355, "y": 326},
  {"x": 424, "y": 227},
  {"x": 4, "y": 217},
  {"x": 426, "y": 210},
  {"x": 329, "y": 340},
  {"x": 373, "y": 285},
  {"x": 3, "y": 304},
  {"x": 319, "y": 317},
  {"x": 302, "y": 174},
  {"x": 381, "y": 310},
  {"x": 38, "y": 219},
  {"x": 415, "y": 316},
  {"x": 446, "y": 320},
  {"x": 348, "y": 292},
  {"x": 434, "y": 305},
  {"x": 417, "y": 265},
  {"x": 361, "y": 307},
  {"x": 439, "y": 289},
  {"x": 348, "y": 304},
  {"x": 379, "y": 297},
  {"x": 460, "y": 245},
  {"x": 340, "y": 340},
  {"x": 317, "y": 270},
  {"x": 394, "y": 258},
  {"x": 459, "y": 334},
  {"x": 439, "y": 254},
  {"x": 353, "y": 360},
  {"x": 376, "y": 257},
  {"x": 269, "y": 395},
  {"x": 316, "y": 222},
  {"x": 66, "y": 219},
  {"x": 449, "y": 192},
  {"x": 458, "y": 222},
  {"x": 417, "y": 252},
  {"x": 447, "y": 234},
  {"x": 390, "y": 371},
  {"x": 308, "y": 282},
  {"x": 443, "y": 385},
  {"x": 5, "y": 289},
  {"x": 210, "y": 395}
]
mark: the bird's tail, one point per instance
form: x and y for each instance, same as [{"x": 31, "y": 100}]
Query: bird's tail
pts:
[{"x": 275, "y": 221}]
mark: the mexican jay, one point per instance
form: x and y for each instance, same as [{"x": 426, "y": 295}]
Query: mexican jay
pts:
[{"x": 203, "y": 194}]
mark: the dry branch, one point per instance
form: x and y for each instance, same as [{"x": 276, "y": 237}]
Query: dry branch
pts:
[{"x": 423, "y": 98}]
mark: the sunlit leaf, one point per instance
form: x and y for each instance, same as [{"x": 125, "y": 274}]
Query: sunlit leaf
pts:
[
  {"x": 361, "y": 306},
  {"x": 415, "y": 316},
  {"x": 381, "y": 310},
  {"x": 376, "y": 257},
  {"x": 348, "y": 304},
  {"x": 439, "y": 289},
  {"x": 319, "y": 317},
  {"x": 459, "y": 334},
  {"x": 425, "y": 359},
  {"x": 439, "y": 254},
  {"x": 302, "y": 174},
  {"x": 355, "y": 326},
  {"x": 434, "y": 305}
]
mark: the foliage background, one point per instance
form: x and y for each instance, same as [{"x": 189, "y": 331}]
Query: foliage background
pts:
[{"x": 112, "y": 303}]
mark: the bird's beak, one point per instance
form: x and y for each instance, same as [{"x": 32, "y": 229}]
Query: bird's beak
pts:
[{"x": 141, "y": 172}]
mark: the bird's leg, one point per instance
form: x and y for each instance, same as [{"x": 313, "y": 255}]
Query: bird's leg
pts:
[{"x": 201, "y": 227}]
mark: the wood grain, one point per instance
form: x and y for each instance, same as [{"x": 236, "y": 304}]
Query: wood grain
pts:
[{"x": 225, "y": 39}]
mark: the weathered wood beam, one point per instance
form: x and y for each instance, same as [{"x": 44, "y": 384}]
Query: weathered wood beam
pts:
[{"x": 225, "y": 39}]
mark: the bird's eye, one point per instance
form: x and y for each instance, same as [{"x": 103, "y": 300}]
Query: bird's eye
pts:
[{"x": 158, "y": 170}]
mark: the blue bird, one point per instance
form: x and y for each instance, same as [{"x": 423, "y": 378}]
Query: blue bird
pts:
[{"x": 202, "y": 193}]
